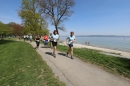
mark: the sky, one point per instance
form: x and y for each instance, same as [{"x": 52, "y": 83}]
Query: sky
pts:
[{"x": 91, "y": 17}]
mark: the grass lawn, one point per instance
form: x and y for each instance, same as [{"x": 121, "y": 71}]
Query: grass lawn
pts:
[
  {"x": 119, "y": 66},
  {"x": 21, "y": 65}
]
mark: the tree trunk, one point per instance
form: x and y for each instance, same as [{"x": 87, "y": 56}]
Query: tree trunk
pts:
[{"x": 57, "y": 29}]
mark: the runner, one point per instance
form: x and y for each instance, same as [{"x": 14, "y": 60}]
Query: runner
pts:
[
  {"x": 50, "y": 37},
  {"x": 55, "y": 38},
  {"x": 24, "y": 37},
  {"x": 69, "y": 42},
  {"x": 30, "y": 38},
  {"x": 27, "y": 37},
  {"x": 37, "y": 39},
  {"x": 45, "y": 40}
]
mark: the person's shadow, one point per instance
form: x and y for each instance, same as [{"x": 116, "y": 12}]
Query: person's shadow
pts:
[
  {"x": 45, "y": 47},
  {"x": 48, "y": 53},
  {"x": 62, "y": 54}
]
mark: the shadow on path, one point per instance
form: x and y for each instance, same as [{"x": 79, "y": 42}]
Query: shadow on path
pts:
[
  {"x": 45, "y": 47},
  {"x": 48, "y": 53},
  {"x": 62, "y": 54}
]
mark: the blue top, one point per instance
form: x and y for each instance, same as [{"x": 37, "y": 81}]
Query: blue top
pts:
[
  {"x": 70, "y": 39},
  {"x": 55, "y": 37}
]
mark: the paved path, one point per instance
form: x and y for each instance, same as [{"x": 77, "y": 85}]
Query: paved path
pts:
[{"x": 78, "y": 73}]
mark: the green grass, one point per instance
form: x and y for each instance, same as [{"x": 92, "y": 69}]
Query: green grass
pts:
[
  {"x": 21, "y": 65},
  {"x": 119, "y": 66}
]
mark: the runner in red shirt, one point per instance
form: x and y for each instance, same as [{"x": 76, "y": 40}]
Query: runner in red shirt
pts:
[{"x": 45, "y": 39}]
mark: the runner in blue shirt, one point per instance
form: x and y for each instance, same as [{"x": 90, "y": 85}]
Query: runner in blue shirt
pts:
[
  {"x": 69, "y": 42},
  {"x": 55, "y": 38}
]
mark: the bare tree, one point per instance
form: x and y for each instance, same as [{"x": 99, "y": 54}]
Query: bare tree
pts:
[{"x": 57, "y": 11}]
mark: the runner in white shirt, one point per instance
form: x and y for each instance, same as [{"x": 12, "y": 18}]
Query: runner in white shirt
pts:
[
  {"x": 69, "y": 42},
  {"x": 24, "y": 37},
  {"x": 30, "y": 38},
  {"x": 55, "y": 38}
]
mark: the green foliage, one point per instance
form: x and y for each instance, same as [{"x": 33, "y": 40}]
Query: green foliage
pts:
[
  {"x": 5, "y": 29},
  {"x": 24, "y": 68},
  {"x": 112, "y": 64},
  {"x": 32, "y": 20}
]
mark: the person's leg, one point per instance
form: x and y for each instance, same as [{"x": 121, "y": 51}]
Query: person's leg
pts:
[
  {"x": 38, "y": 44},
  {"x": 54, "y": 48},
  {"x": 68, "y": 51},
  {"x": 50, "y": 44},
  {"x": 71, "y": 51}
]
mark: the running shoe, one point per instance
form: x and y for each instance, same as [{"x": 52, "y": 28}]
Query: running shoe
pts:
[
  {"x": 54, "y": 55},
  {"x": 67, "y": 54},
  {"x": 72, "y": 57}
]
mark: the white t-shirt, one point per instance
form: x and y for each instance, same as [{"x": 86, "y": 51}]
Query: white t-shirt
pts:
[
  {"x": 70, "y": 39},
  {"x": 55, "y": 37},
  {"x": 30, "y": 37},
  {"x": 24, "y": 36}
]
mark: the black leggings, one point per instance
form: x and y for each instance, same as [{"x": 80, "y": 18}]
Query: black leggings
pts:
[
  {"x": 54, "y": 43},
  {"x": 37, "y": 43}
]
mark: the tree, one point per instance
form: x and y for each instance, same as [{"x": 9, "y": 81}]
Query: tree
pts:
[
  {"x": 31, "y": 18},
  {"x": 17, "y": 29},
  {"x": 5, "y": 29},
  {"x": 57, "y": 11}
]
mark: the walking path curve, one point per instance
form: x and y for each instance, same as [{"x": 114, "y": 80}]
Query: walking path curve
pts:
[{"x": 78, "y": 73}]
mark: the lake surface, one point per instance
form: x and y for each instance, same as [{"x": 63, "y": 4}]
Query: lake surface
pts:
[{"x": 117, "y": 43}]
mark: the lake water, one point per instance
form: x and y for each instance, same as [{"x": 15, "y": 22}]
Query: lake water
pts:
[{"x": 117, "y": 43}]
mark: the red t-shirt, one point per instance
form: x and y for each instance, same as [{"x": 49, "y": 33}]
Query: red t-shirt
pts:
[{"x": 45, "y": 37}]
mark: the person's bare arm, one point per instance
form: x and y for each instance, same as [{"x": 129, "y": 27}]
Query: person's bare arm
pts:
[
  {"x": 74, "y": 40},
  {"x": 67, "y": 41}
]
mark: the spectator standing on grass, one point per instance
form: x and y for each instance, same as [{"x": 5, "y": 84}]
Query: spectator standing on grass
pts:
[
  {"x": 19, "y": 38},
  {"x": 88, "y": 43},
  {"x": 9, "y": 37},
  {"x": 55, "y": 38},
  {"x": 69, "y": 41}
]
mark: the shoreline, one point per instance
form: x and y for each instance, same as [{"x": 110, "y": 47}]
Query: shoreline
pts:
[
  {"x": 104, "y": 47},
  {"x": 123, "y": 54}
]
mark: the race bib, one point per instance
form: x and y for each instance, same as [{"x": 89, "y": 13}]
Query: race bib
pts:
[{"x": 54, "y": 40}]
